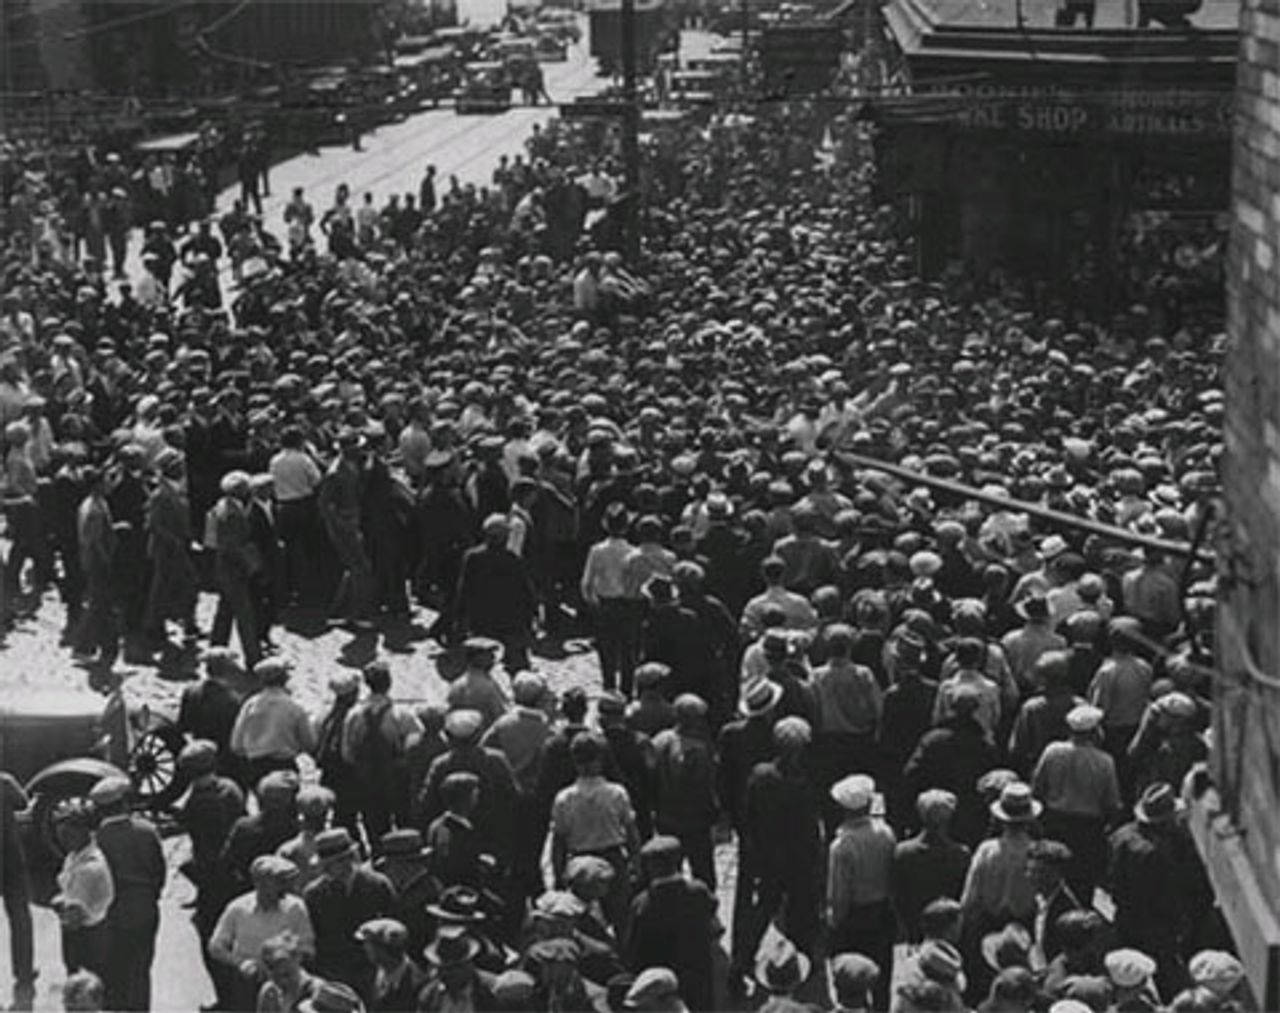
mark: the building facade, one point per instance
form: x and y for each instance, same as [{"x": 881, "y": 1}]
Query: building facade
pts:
[
  {"x": 1235, "y": 822},
  {"x": 1018, "y": 143}
]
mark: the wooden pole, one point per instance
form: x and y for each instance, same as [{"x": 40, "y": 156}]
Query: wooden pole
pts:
[{"x": 1054, "y": 517}]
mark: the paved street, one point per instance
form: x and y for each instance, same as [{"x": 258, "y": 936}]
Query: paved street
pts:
[{"x": 394, "y": 156}]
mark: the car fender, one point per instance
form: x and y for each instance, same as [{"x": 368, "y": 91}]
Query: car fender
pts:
[{"x": 76, "y": 771}]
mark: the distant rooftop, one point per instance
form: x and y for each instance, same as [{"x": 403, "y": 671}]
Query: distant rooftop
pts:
[
  {"x": 949, "y": 37},
  {"x": 1112, "y": 15}
]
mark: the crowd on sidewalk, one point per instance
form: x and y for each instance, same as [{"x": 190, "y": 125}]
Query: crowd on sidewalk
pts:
[{"x": 949, "y": 740}]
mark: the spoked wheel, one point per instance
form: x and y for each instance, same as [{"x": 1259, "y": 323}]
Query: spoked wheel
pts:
[{"x": 153, "y": 767}]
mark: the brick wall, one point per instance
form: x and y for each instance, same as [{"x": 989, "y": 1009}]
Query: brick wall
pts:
[{"x": 1247, "y": 720}]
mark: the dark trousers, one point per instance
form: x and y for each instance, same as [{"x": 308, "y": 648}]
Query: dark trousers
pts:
[
  {"x": 71, "y": 582},
  {"x": 527, "y": 847},
  {"x": 17, "y": 909},
  {"x": 346, "y": 797},
  {"x": 28, "y": 542},
  {"x": 1086, "y": 836},
  {"x": 303, "y": 538},
  {"x": 236, "y": 604},
  {"x": 354, "y": 597},
  {"x": 617, "y": 622},
  {"x": 97, "y": 630},
  {"x": 1115, "y": 740},
  {"x": 437, "y": 580},
  {"x": 384, "y": 802},
  {"x": 699, "y": 849},
  {"x": 260, "y": 767},
  {"x": 869, "y": 929},
  {"x": 222, "y": 976},
  {"x": 130, "y": 952},
  {"x": 86, "y": 950},
  {"x": 762, "y": 895},
  {"x": 133, "y": 577}
]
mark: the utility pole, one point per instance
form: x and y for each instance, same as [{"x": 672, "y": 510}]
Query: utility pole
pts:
[
  {"x": 630, "y": 134},
  {"x": 746, "y": 29}
]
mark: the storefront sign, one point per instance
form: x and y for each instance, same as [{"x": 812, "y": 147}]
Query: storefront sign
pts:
[{"x": 1149, "y": 113}]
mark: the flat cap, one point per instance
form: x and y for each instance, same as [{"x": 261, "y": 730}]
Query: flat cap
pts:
[
  {"x": 559, "y": 904},
  {"x": 853, "y": 972},
  {"x": 386, "y": 932},
  {"x": 272, "y": 868},
  {"x": 515, "y": 989},
  {"x": 1084, "y": 718},
  {"x": 1128, "y": 968},
  {"x": 935, "y": 804},
  {"x": 1216, "y": 970},
  {"x": 653, "y": 984},
  {"x": 463, "y": 725},
  {"x": 110, "y": 791},
  {"x": 198, "y": 757},
  {"x": 554, "y": 951},
  {"x": 792, "y": 733}
]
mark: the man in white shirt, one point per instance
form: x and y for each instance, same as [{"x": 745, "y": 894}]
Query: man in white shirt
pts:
[
  {"x": 253, "y": 918},
  {"x": 296, "y": 477},
  {"x": 615, "y": 611},
  {"x": 151, "y": 292},
  {"x": 272, "y": 729},
  {"x": 86, "y": 890},
  {"x": 599, "y": 187},
  {"x": 800, "y": 614}
]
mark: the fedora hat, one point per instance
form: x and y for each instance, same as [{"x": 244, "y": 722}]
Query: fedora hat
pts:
[
  {"x": 331, "y": 844},
  {"x": 761, "y": 697},
  {"x": 1016, "y": 804},
  {"x": 331, "y": 997},
  {"x": 1158, "y": 804},
  {"x": 783, "y": 969},
  {"x": 458, "y": 905},
  {"x": 452, "y": 948}
]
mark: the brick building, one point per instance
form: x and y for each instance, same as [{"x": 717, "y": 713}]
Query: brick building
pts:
[{"x": 1235, "y": 823}]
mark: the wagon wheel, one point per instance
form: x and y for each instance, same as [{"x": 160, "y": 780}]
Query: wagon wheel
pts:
[{"x": 153, "y": 767}]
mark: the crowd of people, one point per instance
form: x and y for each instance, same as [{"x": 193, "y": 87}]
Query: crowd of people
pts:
[
  {"x": 945, "y": 740},
  {"x": 73, "y": 202}
]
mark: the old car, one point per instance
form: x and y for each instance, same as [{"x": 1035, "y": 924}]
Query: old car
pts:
[
  {"x": 427, "y": 76},
  {"x": 485, "y": 88},
  {"x": 59, "y": 742},
  {"x": 551, "y": 48},
  {"x": 561, "y": 23}
]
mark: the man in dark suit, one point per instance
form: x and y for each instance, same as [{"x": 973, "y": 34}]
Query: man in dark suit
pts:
[
  {"x": 398, "y": 980},
  {"x": 673, "y": 923},
  {"x": 496, "y": 805},
  {"x": 260, "y": 833},
  {"x": 238, "y": 564},
  {"x": 496, "y": 597},
  {"x": 208, "y": 708},
  {"x": 265, "y": 536},
  {"x": 458, "y": 984},
  {"x": 132, "y": 849},
  {"x": 1047, "y": 862},
  {"x": 345, "y": 897}
]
